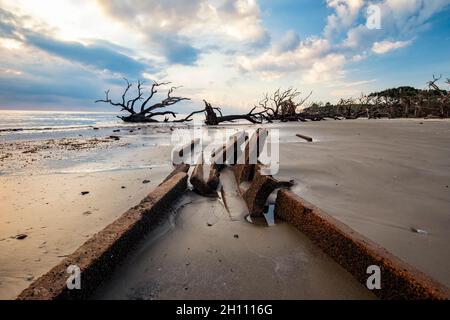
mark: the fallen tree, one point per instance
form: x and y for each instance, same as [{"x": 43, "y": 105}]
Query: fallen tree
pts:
[
  {"x": 282, "y": 106},
  {"x": 212, "y": 119},
  {"x": 144, "y": 113}
]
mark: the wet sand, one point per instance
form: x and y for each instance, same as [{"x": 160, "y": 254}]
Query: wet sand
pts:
[
  {"x": 42, "y": 198},
  {"x": 204, "y": 252},
  {"x": 387, "y": 179}
]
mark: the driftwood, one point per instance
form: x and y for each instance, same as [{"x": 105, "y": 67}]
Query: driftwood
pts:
[
  {"x": 214, "y": 116},
  {"x": 212, "y": 119},
  {"x": 309, "y": 139}
]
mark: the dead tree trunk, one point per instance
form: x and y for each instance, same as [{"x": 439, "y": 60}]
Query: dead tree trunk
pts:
[
  {"x": 211, "y": 118},
  {"x": 144, "y": 113},
  {"x": 282, "y": 105}
]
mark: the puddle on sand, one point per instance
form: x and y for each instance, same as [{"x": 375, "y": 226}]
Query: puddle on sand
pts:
[{"x": 269, "y": 214}]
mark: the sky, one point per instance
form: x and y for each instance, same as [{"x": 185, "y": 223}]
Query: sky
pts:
[{"x": 64, "y": 54}]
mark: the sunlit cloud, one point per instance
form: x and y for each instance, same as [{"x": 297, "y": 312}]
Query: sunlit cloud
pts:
[
  {"x": 221, "y": 50},
  {"x": 386, "y": 46}
]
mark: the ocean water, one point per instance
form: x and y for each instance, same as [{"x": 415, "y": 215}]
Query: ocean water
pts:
[
  {"x": 24, "y": 129},
  {"x": 18, "y": 120},
  {"x": 41, "y": 125}
]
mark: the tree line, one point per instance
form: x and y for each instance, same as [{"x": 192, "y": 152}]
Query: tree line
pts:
[{"x": 289, "y": 105}]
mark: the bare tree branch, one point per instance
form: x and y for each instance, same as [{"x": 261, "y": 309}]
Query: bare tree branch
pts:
[
  {"x": 145, "y": 114},
  {"x": 152, "y": 93}
]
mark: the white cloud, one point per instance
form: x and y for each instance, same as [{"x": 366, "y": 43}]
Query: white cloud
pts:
[
  {"x": 222, "y": 38},
  {"x": 359, "y": 83},
  {"x": 301, "y": 58},
  {"x": 359, "y": 57},
  {"x": 328, "y": 68},
  {"x": 346, "y": 12},
  {"x": 386, "y": 46},
  {"x": 11, "y": 72},
  {"x": 400, "y": 19},
  {"x": 159, "y": 30},
  {"x": 11, "y": 44},
  {"x": 233, "y": 20},
  {"x": 290, "y": 41}
]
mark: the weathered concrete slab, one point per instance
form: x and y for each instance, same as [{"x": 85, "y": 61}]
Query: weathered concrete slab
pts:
[
  {"x": 244, "y": 169},
  {"x": 230, "y": 152},
  {"x": 97, "y": 257},
  {"x": 259, "y": 191},
  {"x": 233, "y": 150},
  {"x": 178, "y": 168},
  {"x": 205, "y": 187},
  {"x": 256, "y": 195},
  {"x": 356, "y": 253},
  {"x": 185, "y": 150},
  {"x": 213, "y": 178}
]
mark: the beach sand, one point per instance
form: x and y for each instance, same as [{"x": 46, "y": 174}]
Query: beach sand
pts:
[
  {"x": 387, "y": 179},
  {"x": 43, "y": 199}
]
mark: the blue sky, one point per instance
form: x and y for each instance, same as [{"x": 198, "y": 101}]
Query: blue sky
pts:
[{"x": 65, "y": 54}]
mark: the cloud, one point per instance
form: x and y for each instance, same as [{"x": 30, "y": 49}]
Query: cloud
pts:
[
  {"x": 99, "y": 55},
  {"x": 386, "y": 46},
  {"x": 38, "y": 69},
  {"x": 209, "y": 45},
  {"x": 29, "y": 77},
  {"x": 351, "y": 84},
  {"x": 346, "y": 13},
  {"x": 359, "y": 83},
  {"x": 177, "y": 50},
  {"x": 94, "y": 55},
  {"x": 191, "y": 25},
  {"x": 7, "y": 23},
  {"x": 346, "y": 39},
  {"x": 401, "y": 20},
  {"x": 328, "y": 68},
  {"x": 291, "y": 60},
  {"x": 290, "y": 41},
  {"x": 313, "y": 58}
]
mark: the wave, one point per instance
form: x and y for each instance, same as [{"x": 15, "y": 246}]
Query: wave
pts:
[
  {"x": 80, "y": 127},
  {"x": 44, "y": 128}
]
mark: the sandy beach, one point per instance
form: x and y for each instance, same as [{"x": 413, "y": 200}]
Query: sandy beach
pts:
[
  {"x": 41, "y": 190},
  {"x": 387, "y": 179}
]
